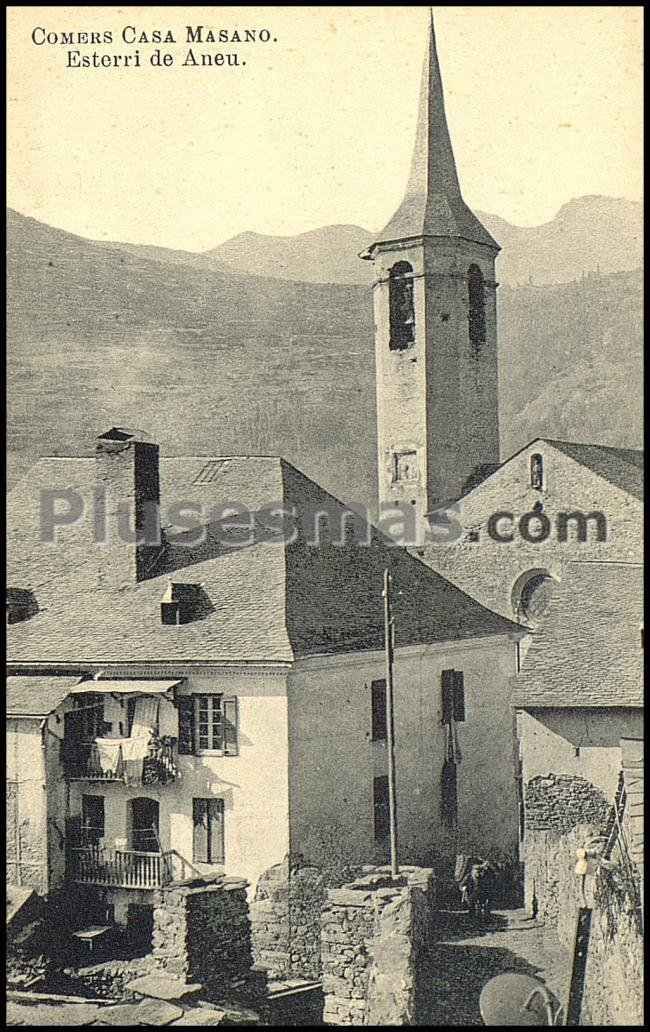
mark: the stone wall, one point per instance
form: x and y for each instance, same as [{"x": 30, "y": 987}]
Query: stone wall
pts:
[
  {"x": 285, "y": 920},
  {"x": 488, "y": 570},
  {"x": 372, "y": 938},
  {"x": 614, "y": 976},
  {"x": 202, "y": 932},
  {"x": 560, "y": 801},
  {"x": 26, "y": 850}
]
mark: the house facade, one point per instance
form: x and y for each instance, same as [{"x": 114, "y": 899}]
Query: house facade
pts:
[
  {"x": 579, "y": 704},
  {"x": 216, "y": 700}
]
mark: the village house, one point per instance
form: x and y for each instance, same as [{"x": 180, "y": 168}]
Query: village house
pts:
[
  {"x": 212, "y": 705},
  {"x": 579, "y": 702}
]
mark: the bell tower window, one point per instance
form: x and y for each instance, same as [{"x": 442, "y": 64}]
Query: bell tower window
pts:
[
  {"x": 476, "y": 290},
  {"x": 402, "y": 312}
]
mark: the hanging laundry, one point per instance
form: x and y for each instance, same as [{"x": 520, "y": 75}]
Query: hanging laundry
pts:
[
  {"x": 136, "y": 747},
  {"x": 108, "y": 754},
  {"x": 167, "y": 719},
  {"x": 114, "y": 714},
  {"x": 145, "y": 715}
]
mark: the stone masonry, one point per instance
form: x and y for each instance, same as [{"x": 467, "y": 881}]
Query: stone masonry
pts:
[
  {"x": 285, "y": 920},
  {"x": 560, "y": 801},
  {"x": 615, "y": 954},
  {"x": 202, "y": 932},
  {"x": 373, "y": 931}
]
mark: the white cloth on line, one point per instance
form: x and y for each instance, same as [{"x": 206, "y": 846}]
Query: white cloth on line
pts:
[
  {"x": 136, "y": 747},
  {"x": 108, "y": 750}
]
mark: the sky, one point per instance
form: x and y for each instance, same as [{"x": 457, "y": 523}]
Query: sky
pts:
[{"x": 544, "y": 104}]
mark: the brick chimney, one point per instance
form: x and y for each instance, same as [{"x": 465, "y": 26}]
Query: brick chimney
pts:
[{"x": 128, "y": 496}]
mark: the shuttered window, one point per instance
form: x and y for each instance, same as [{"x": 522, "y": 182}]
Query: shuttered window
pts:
[
  {"x": 381, "y": 808},
  {"x": 208, "y": 817},
  {"x": 378, "y": 690},
  {"x": 453, "y": 696},
  {"x": 208, "y": 723}
]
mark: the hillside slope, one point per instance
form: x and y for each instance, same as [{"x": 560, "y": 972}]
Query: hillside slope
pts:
[{"x": 212, "y": 361}]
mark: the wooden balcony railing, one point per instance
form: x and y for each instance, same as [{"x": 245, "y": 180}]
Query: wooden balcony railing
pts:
[{"x": 128, "y": 869}]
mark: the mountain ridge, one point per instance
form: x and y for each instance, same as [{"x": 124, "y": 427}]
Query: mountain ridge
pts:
[{"x": 213, "y": 360}]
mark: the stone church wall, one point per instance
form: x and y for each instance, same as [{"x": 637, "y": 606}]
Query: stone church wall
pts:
[{"x": 488, "y": 570}]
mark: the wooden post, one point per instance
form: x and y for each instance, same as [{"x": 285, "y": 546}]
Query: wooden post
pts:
[
  {"x": 390, "y": 724},
  {"x": 580, "y": 947}
]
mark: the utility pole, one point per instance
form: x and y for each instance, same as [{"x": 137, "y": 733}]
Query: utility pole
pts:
[{"x": 389, "y": 638}]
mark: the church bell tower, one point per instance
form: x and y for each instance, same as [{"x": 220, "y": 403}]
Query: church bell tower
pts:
[{"x": 435, "y": 326}]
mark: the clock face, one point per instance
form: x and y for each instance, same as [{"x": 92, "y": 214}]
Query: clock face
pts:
[{"x": 536, "y": 596}]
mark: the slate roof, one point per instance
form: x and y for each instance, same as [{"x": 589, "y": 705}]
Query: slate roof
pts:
[
  {"x": 588, "y": 652},
  {"x": 36, "y": 696},
  {"x": 265, "y": 601},
  {"x": 622, "y": 467}
]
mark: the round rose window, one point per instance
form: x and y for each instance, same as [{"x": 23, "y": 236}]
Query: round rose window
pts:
[{"x": 535, "y": 598}]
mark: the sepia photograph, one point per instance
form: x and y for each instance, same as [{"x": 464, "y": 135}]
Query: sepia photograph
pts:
[{"x": 324, "y": 580}]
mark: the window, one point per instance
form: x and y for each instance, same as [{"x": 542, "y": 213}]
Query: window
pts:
[
  {"x": 476, "y": 290},
  {"x": 536, "y": 597},
  {"x": 382, "y": 818},
  {"x": 208, "y": 831},
  {"x": 453, "y": 696},
  {"x": 207, "y": 723},
  {"x": 378, "y": 690},
  {"x": 92, "y": 819},
  {"x": 537, "y": 472},
  {"x": 400, "y": 300},
  {"x": 406, "y": 466}
]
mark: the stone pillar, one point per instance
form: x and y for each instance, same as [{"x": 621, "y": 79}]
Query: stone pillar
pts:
[
  {"x": 202, "y": 932},
  {"x": 285, "y": 919},
  {"x": 373, "y": 935}
]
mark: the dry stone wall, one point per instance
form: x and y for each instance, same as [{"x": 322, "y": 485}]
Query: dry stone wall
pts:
[
  {"x": 202, "y": 932},
  {"x": 373, "y": 941},
  {"x": 614, "y": 975},
  {"x": 285, "y": 919}
]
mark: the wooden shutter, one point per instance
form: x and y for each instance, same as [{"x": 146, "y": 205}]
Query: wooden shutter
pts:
[
  {"x": 379, "y": 732},
  {"x": 459, "y": 696},
  {"x": 186, "y": 724},
  {"x": 230, "y": 728},
  {"x": 381, "y": 807},
  {"x": 447, "y": 681},
  {"x": 201, "y": 838},
  {"x": 215, "y": 831},
  {"x": 208, "y": 816}
]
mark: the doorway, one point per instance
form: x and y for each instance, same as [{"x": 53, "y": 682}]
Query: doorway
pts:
[{"x": 144, "y": 825}]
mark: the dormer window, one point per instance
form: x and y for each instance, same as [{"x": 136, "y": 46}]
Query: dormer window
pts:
[
  {"x": 183, "y": 603},
  {"x": 21, "y": 604},
  {"x": 536, "y": 472}
]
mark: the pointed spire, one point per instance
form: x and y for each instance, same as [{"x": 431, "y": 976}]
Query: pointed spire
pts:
[{"x": 433, "y": 204}]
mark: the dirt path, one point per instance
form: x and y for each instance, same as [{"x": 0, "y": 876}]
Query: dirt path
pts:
[{"x": 468, "y": 953}]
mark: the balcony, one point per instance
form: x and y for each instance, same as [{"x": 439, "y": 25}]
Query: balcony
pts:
[
  {"x": 108, "y": 760},
  {"x": 128, "y": 869}
]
